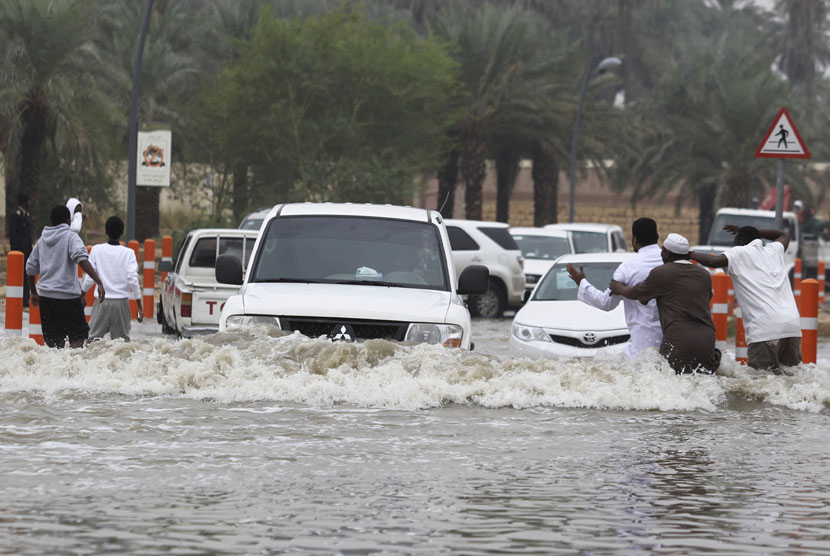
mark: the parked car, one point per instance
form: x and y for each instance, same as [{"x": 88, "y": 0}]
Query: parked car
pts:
[
  {"x": 254, "y": 220},
  {"x": 553, "y": 323},
  {"x": 594, "y": 238},
  {"x": 540, "y": 247},
  {"x": 191, "y": 299},
  {"x": 489, "y": 244},
  {"x": 720, "y": 240},
  {"x": 353, "y": 272}
]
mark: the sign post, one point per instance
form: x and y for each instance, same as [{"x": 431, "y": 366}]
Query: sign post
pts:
[{"x": 781, "y": 141}]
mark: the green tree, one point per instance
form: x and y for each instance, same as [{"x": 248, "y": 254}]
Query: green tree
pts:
[{"x": 334, "y": 107}]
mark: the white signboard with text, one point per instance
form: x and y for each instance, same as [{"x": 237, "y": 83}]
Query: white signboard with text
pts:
[{"x": 154, "y": 149}]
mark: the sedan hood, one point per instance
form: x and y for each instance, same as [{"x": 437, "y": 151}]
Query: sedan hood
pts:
[
  {"x": 347, "y": 301},
  {"x": 570, "y": 315}
]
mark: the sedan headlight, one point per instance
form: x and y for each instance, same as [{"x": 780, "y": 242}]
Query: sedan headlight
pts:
[
  {"x": 448, "y": 335},
  {"x": 530, "y": 333},
  {"x": 238, "y": 321}
]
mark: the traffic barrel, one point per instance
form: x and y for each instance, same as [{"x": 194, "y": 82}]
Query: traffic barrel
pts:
[
  {"x": 720, "y": 307},
  {"x": 166, "y": 253},
  {"x": 821, "y": 283},
  {"x": 35, "y": 329},
  {"x": 740, "y": 337},
  {"x": 731, "y": 296},
  {"x": 133, "y": 244},
  {"x": 809, "y": 320},
  {"x": 14, "y": 293},
  {"x": 797, "y": 282},
  {"x": 149, "y": 276},
  {"x": 89, "y": 296}
]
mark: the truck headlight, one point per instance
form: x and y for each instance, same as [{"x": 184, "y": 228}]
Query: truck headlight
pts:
[
  {"x": 238, "y": 321},
  {"x": 448, "y": 335},
  {"x": 530, "y": 333}
]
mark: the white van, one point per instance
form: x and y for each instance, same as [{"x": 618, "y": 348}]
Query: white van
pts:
[{"x": 353, "y": 272}]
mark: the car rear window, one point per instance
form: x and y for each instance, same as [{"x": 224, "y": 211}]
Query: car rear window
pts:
[
  {"x": 461, "y": 240},
  {"x": 204, "y": 253},
  {"x": 501, "y": 236}
]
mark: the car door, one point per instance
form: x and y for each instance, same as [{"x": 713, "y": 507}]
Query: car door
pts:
[{"x": 465, "y": 250}]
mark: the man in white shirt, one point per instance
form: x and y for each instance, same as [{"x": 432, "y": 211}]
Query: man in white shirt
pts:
[
  {"x": 118, "y": 270},
  {"x": 643, "y": 320},
  {"x": 762, "y": 288}
]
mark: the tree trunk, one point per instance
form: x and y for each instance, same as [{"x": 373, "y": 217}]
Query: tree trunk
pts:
[
  {"x": 474, "y": 169},
  {"x": 507, "y": 165},
  {"x": 447, "y": 178},
  {"x": 31, "y": 151},
  {"x": 241, "y": 192},
  {"x": 146, "y": 212},
  {"x": 706, "y": 204},
  {"x": 545, "y": 175}
]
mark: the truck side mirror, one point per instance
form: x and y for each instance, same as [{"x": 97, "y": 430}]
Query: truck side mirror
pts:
[
  {"x": 474, "y": 280},
  {"x": 165, "y": 266},
  {"x": 228, "y": 270}
]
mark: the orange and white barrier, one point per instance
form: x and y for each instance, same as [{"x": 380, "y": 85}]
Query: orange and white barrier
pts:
[
  {"x": 149, "y": 277},
  {"x": 797, "y": 282},
  {"x": 14, "y": 293},
  {"x": 731, "y": 296},
  {"x": 720, "y": 308},
  {"x": 35, "y": 329},
  {"x": 741, "y": 355},
  {"x": 809, "y": 320},
  {"x": 166, "y": 253},
  {"x": 133, "y": 244},
  {"x": 821, "y": 284}
]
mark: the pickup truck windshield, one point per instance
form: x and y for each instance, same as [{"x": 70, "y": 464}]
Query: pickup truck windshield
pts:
[
  {"x": 542, "y": 247},
  {"x": 351, "y": 250},
  {"x": 558, "y": 286},
  {"x": 720, "y": 237},
  {"x": 590, "y": 242}
]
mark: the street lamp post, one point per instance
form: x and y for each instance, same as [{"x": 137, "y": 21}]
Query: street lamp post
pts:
[{"x": 589, "y": 73}]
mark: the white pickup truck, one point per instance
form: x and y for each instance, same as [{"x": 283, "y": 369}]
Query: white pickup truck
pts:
[{"x": 191, "y": 299}]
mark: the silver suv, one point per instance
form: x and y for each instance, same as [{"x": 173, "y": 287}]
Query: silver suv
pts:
[{"x": 490, "y": 244}]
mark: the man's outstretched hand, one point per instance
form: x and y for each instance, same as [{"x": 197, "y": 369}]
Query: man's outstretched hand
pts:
[
  {"x": 576, "y": 275},
  {"x": 732, "y": 229}
]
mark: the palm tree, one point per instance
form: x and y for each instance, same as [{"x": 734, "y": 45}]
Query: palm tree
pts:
[
  {"x": 805, "y": 43},
  {"x": 50, "y": 75}
]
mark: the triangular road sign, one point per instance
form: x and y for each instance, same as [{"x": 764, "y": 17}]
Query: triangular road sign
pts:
[{"x": 782, "y": 140}]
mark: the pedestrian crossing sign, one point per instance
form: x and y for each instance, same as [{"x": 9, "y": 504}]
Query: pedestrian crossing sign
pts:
[{"x": 782, "y": 140}]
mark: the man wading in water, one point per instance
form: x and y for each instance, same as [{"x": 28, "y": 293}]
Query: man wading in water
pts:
[
  {"x": 683, "y": 292},
  {"x": 643, "y": 320}
]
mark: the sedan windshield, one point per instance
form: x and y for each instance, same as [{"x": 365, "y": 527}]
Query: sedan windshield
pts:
[
  {"x": 558, "y": 286},
  {"x": 590, "y": 242},
  {"x": 542, "y": 247},
  {"x": 351, "y": 250},
  {"x": 722, "y": 238}
]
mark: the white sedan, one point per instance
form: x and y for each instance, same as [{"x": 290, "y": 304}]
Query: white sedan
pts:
[{"x": 553, "y": 323}]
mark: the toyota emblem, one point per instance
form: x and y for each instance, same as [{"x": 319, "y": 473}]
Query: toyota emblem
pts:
[{"x": 589, "y": 338}]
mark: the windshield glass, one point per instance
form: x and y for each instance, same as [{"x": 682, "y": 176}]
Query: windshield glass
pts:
[
  {"x": 251, "y": 224},
  {"x": 542, "y": 247},
  {"x": 590, "y": 242},
  {"x": 721, "y": 237},
  {"x": 558, "y": 286},
  {"x": 351, "y": 250}
]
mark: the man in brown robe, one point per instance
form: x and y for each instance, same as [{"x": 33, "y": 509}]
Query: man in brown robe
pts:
[{"x": 683, "y": 291}]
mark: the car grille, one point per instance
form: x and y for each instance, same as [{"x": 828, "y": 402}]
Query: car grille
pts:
[
  {"x": 363, "y": 329},
  {"x": 604, "y": 342}
]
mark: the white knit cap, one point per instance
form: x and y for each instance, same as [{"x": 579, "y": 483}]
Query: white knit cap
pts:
[{"x": 676, "y": 244}]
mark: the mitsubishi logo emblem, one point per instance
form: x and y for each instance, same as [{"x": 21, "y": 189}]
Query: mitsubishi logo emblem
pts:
[
  {"x": 589, "y": 338},
  {"x": 342, "y": 332}
]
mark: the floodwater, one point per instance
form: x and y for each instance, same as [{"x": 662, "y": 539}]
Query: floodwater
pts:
[{"x": 253, "y": 444}]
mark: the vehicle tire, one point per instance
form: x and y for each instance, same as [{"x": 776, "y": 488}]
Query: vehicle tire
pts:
[
  {"x": 165, "y": 328},
  {"x": 490, "y": 305}
]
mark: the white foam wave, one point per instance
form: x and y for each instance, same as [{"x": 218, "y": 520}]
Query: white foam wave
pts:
[{"x": 293, "y": 369}]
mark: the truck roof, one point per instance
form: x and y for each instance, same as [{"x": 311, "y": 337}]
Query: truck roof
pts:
[
  {"x": 754, "y": 212},
  {"x": 355, "y": 209}
]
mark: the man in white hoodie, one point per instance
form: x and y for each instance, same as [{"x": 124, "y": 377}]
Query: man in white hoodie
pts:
[
  {"x": 118, "y": 269},
  {"x": 76, "y": 214},
  {"x": 55, "y": 258}
]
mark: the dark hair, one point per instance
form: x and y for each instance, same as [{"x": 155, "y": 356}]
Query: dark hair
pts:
[
  {"x": 59, "y": 215},
  {"x": 114, "y": 227},
  {"x": 644, "y": 231},
  {"x": 22, "y": 198},
  {"x": 746, "y": 235}
]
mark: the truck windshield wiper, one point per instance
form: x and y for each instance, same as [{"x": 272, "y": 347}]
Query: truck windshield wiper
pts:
[{"x": 376, "y": 283}]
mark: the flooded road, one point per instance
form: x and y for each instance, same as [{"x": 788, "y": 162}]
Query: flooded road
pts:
[{"x": 253, "y": 444}]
